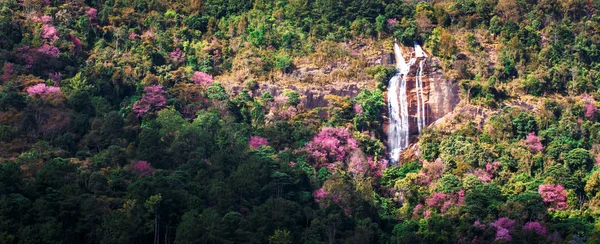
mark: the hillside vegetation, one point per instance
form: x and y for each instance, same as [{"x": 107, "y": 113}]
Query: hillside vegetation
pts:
[{"x": 118, "y": 123}]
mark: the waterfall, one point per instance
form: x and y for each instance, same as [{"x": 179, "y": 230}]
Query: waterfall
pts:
[{"x": 398, "y": 133}]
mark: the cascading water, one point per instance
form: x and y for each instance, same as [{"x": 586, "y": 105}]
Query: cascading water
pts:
[
  {"x": 421, "y": 119},
  {"x": 398, "y": 133}
]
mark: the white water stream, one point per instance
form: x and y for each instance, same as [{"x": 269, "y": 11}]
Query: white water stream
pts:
[{"x": 398, "y": 131}]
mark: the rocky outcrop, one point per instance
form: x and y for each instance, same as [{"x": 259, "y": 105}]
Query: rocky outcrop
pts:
[{"x": 440, "y": 94}]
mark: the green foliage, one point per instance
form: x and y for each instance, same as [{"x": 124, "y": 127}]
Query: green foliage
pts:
[
  {"x": 524, "y": 124},
  {"x": 579, "y": 159},
  {"x": 449, "y": 183},
  {"x": 68, "y": 164},
  {"x": 217, "y": 91}
]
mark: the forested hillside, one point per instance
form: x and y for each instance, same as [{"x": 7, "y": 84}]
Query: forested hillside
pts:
[{"x": 154, "y": 121}]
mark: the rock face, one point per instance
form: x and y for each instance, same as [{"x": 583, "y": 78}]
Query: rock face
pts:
[{"x": 440, "y": 94}]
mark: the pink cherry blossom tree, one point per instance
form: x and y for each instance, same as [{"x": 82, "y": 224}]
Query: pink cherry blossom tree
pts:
[
  {"x": 43, "y": 91},
  {"x": 201, "y": 78},
  {"x": 392, "y": 23},
  {"x": 533, "y": 142},
  {"x": 143, "y": 167},
  {"x": 358, "y": 109},
  {"x": 330, "y": 145},
  {"x": 49, "y": 32},
  {"x": 503, "y": 228},
  {"x": 320, "y": 194},
  {"x": 49, "y": 50},
  {"x": 92, "y": 15},
  {"x": 256, "y": 142},
  {"x": 554, "y": 195},
  {"x": 154, "y": 98},
  {"x": 177, "y": 56}
]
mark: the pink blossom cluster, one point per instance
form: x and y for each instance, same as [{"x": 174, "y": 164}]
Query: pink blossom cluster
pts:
[
  {"x": 487, "y": 175},
  {"x": 554, "y": 195},
  {"x": 201, "y": 78},
  {"x": 288, "y": 113},
  {"x": 533, "y": 142},
  {"x": 535, "y": 227},
  {"x": 392, "y": 23},
  {"x": 589, "y": 106},
  {"x": 42, "y": 90},
  {"x": 154, "y": 97},
  {"x": 256, "y": 142},
  {"x": 320, "y": 194},
  {"x": 49, "y": 32},
  {"x": 331, "y": 145},
  {"x": 76, "y": 42},
  {"x": 132, "y": 36},
  {"x": 418, "y": 209},
  {"x": 598, "y": 160},
  {"x": 358, "y": 109},
  {"x": 431, "y": 172},
  {"x": 143, "y": 167},
  {"x": 7, "y": 71},
  {"x": 443, "y": 201},
  {"x": 49, "y": 50},
  {"x": 281, "y": 99},
  {"x": 377, "y": 167},
  {"x": 92, "y": 15},
  {"x": 46, "y": 19},
  {"x": 590, "y": 110},
  {"x": 503, "y": 228},
  {"x": 177, "y": 56}
]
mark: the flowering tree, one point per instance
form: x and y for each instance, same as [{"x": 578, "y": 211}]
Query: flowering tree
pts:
[
  {"x": 554, "y": 195},
  {"x": 256, "y": 142},
  {"x": 177, "y": 56},
  {"x": 76, "y": 42},
  {"x": 431, "y": 171},
  {"x": 153, "y": 98},
  {"x": 42, "y": 90},
  {"x": 320, "y": 194},
  {"x": 444, "y": 201},
  {"x": 330, "y": 145},
  {"x": 503, "y": 228},
  {"x": 7, "y": 71},
  {"x": 143, "y": 167},
  {"x": 49, "y": 32},
  {"x": 358, "y": 109},
  {"x": 535, "y": 227},
  {"x": 92, "y": 15},
  {"x": 589, "y": 106},
  {"x": 49, "y": 50},
  {"x": 392, "y": 23},
  {"x": 201, "y": 78},
  {"x": 533, "y": 142}
]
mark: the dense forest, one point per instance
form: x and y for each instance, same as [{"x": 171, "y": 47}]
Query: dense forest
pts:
[{"x": 142, "y": 121}]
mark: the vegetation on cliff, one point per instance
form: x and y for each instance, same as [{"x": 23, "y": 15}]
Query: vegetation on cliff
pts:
[{"x": 117, "y": 124}]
